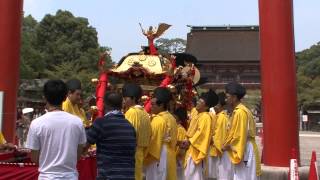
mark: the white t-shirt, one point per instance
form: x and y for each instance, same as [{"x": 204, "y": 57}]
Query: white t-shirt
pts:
[{"x": 57, "y": 136}]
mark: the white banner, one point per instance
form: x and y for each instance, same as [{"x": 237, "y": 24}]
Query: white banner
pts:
[
  {"x": 305, "y": 118},
  {"x": 294, "y": 174}
]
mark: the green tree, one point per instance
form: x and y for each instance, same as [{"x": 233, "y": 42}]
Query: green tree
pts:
[
  {"x": 32, "y": 63},
  {"x": 308, "y": 75},
  {"x": 65, "y": 38},
  {"x": 61, "y": 46},
  {"x": 66, "y": 70},
  {"x": 176, "y": 45}
]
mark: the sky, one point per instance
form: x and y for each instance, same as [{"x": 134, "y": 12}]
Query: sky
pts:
[{"x": 117, "y": 21}]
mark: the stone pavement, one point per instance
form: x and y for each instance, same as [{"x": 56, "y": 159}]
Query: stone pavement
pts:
[{"x": 309, "y": 141}]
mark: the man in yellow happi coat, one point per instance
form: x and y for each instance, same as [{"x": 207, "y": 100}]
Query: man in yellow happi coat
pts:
[
  {"x": 193, "y": 119},
  {"x": 161, "y": 158},
  {"x": 240, "y": 142},
  {"x": 200, "y": 137},
  {"x": 71, "y": 104},
  {"x": 212, "y": 157},
  {"x": 193, "y": 113},
  {"x": 140, "y": 120},
  {"x": 224, "y": 166},
  {"x": 181, "y": 116}
]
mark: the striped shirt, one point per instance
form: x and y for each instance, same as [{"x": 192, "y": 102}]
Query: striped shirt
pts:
[{"x": 116, "y": 142}]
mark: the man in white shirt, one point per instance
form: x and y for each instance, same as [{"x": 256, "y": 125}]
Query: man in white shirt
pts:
[{"x": 56, "y": 139}]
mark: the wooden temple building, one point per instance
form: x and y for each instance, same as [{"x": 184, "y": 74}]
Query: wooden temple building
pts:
[{"x": 226, "y": 54}]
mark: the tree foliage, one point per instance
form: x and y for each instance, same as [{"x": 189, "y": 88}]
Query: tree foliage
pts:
[
  {"x": 60, "y": 46},
  {"x": 32, "y": 62},
  {"x": 308, "y": 76},
  {"x": 176, "y": 45}
]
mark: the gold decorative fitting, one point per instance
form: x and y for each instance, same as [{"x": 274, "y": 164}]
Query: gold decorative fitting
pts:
[
  {"x": 142, "y": 57},
  {"x": 130, "y": 61},
  {"x": 94, "y": 80},
  {"x": 144, "y": 97},
  {"x": 152, "y": 62}
]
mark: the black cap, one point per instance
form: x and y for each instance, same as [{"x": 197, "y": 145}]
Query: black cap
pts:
[
  {"x": 235, "y": 89},
  {"x": 162, "y": 94},
  {"x": 210, "y": 98},
  {"x": 132, "y": 90},
  {"x": 73, "y": 84}
]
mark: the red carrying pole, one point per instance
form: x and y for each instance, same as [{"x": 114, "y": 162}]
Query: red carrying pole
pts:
[
  {"x": 10, "y": 32},
  {"x": 100, "y": 91},
  {"x": 278, "y": 75},
  {"x": 102, "y": 85}
]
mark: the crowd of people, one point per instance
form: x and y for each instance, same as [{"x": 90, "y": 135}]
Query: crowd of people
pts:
[
  {"x": 169, "y": 143},
  {"x": 24, "y": 118}
]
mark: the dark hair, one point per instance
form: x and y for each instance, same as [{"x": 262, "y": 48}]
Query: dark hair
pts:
[
  {"x": 165, "y": 105},
  {"x": 236, "y": 89},
  {"x": 73, "y": 85},
  {"x": 163, "y": 96},
  {"x": 113, "y": 100},
  {"x": 182, "y": 114},
  {"x": 133, "y": 91},
  {"x": 55, "y": 92},
  {"x": 211, "y": 98},
  {"x": 222, "y": 98}
]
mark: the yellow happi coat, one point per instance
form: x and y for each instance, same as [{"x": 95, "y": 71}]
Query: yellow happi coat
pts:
[
  {"x": 181, "y": 136},
  {"x": 2, "y": 139},
  {"x": 192, "y": 123},
  {"x": 212, "y": 148},
  {"x": 220, "y": 132},
  {"x": 199, "y": 137},
  {"x": 140, "y": 120},
  {"x": 74, "y": 109},
  {"x": 164, "y": 132},
  {"x": 192, "y": 114},
  {"x": 239, "y": 134}
]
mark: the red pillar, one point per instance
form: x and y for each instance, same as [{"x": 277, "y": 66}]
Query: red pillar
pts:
[
  {"x": 10, "y": 32},
  {"x": 278, "y": 71}
]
